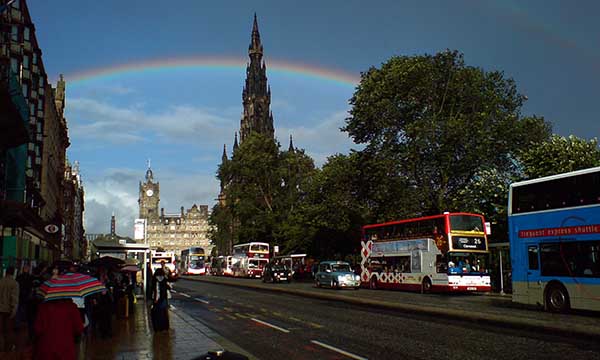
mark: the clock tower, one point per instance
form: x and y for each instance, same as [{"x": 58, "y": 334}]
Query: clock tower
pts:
[{"x": 149, "y": 196}]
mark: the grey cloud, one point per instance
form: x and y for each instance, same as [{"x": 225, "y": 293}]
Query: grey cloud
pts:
[{"x": 101, "y": 121}]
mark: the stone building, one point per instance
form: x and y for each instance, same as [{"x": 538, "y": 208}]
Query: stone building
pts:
[
  {"x": 56, "y": 142},
  {"x": 31, "y": 170},
  {"x": 74, "y": 242},
  {"x": 171, "y": 231}
]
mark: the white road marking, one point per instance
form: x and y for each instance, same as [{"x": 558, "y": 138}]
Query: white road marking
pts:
[
  {"x": 173, "y": 307},
  {"x": 186, "y": 295},
  {"x": 201, "y": 300},
  {"x": 343, "y": 352},
  {"x": 271, "y": 325}
]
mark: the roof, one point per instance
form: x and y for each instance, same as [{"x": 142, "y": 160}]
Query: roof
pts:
[{"x": 558, "y": 176}]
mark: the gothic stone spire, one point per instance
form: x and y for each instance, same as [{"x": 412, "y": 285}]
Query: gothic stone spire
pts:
[
  {"x": 256, "y": 95},
  {"x": 291, "y": 148}
]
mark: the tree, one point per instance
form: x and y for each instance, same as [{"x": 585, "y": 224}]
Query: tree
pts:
[
  {"x": 439, "y": 123},
  {"x": 263, "y": 188},
  {"x": 559, "y": 155}
]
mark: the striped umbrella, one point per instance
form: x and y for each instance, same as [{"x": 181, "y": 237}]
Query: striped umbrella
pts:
[{"x": 70, "y": 285}]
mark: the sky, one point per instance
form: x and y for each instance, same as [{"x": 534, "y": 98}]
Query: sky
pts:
[{"x": 161, "y": 80}]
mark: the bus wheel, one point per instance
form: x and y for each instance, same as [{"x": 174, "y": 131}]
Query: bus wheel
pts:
[
  {"x": 373, "y": 283},
  {"x": 557, "y": 299},
  {"x": 426, "y": 286}
]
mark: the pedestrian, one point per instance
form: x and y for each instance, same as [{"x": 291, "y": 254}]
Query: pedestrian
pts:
[
  {"x": 57, "y": 326},
  {"x": 160, "y": 301},
  {"x": 9, "y": 302},
  {"x": 148, "y": 284},
  {"x": 55, "y": 273},
  {"x": 25, "y": 311},
  {"x": 103, "y": 310}
]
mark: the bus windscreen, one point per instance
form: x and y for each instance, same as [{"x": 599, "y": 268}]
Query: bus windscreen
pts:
[{"x": 466, "y": 223}]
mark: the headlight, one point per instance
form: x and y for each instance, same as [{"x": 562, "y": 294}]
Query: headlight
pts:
[
  {"x": 340, "y": 277},
  {"x": 356, "y": 277}
]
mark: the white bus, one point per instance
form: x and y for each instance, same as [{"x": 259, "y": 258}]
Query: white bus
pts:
[
  {"x": 157, "y": 257},
  {"x": 442, "y": 253},
  {"x": 193, "y": 261},
  {"x": 249, "y": 259}
]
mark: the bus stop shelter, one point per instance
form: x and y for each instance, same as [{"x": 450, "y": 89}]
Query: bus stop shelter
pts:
[{"x": 139, "y": 252}]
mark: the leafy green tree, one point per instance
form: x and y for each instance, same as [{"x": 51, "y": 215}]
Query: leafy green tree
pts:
[
  {"x": 296, "y": 170},
  {"x": 221, "y": 222},
  {"x": 559, "y": 155},
  {"x": 439, "y": 123},
  {"x": 263, "y": 189}
]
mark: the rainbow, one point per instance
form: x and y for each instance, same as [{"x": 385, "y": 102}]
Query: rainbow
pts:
[{"x": 208, "y": 62}]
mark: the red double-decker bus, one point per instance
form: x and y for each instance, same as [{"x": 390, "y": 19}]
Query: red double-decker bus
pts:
[
  {"x": 445, "y": 252},
  {"x": 249, "y": 259}
]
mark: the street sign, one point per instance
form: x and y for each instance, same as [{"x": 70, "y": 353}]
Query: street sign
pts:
[
  {"x": 276, "y": 248},
  {"x": 51, "y": 229}
]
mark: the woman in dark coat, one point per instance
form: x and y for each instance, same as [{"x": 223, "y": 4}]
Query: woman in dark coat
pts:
[{"x": 160, "y": 301}]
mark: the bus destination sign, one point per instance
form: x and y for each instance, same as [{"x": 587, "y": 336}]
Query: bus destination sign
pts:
[
  {"x": 561, "y": 231},
  {"x": 468, "y": 243}
]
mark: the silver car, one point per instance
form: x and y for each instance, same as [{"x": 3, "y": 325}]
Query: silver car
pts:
[{"x": 336, "y": 275}]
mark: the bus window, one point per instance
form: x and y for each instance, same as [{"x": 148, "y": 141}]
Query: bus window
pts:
[
  {"x": 533, "y": 257},
  {"x": 466, "y": 223},
  {"x": 570, "y": 259},
  {"x": 440, "y": 264}
]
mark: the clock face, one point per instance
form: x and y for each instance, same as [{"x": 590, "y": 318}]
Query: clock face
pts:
[{"x": 149, "y": 192}]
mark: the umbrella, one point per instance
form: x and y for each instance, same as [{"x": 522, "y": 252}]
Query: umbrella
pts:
[
  {"x": 107, "y": 261},
  {"x": 70, "y": 285}
]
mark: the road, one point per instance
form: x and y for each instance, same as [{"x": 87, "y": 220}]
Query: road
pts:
[{"x": 279, "y": 326}]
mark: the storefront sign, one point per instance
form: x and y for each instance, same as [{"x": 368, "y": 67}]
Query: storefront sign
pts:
[{"x": 51, "y": 229}]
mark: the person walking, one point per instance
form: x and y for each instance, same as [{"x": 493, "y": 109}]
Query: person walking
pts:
[
  {"x": 25, "y": 311},
  {"x": 9, "y": 302},
  {"x": 160, "y": 303},
  {"x": 57, "y": 326}
]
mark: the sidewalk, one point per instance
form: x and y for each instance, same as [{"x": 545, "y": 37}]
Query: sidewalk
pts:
[{"x": 134, "y": 339}]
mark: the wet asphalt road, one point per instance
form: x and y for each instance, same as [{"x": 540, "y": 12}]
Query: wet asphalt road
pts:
[{"x": 277, "y": 326}]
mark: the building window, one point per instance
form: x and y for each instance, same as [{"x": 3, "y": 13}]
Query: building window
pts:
[
  {"x": 25, "y": 90},
  {"x": 26, "y": 34},
  {"x": 16, "y": 4},
  {"x": 14, "y": 65},
  {"x": 14, "y": 33},
  {"x": 172, "y": 227},
  {"x": 26, "y": 61},
  {"x": 35, "y": 62}
]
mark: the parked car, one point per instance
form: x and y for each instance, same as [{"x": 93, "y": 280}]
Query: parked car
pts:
[
  {"x": 276, "y": 273},
  {"x": 336, "y": 275}
]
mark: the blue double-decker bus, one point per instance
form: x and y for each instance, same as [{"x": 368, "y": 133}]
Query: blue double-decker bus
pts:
[{"x": 554, "y": 231}]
